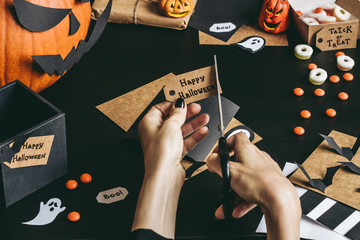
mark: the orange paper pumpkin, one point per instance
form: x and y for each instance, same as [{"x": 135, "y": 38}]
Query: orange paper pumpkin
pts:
[
  {"x": 175, "y": 8},
  {"x": 274, "y": 16},
  {"x": 19, "y": 44}
]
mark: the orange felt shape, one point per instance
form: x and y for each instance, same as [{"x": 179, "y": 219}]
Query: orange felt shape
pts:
[
  {"x": 274, "y": 16},
  {"x": 18, "y": 45},
  {"x": 175, "y": 8}
]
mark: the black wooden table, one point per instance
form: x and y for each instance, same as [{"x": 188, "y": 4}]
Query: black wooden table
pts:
[{"x": 129, "y": 56}]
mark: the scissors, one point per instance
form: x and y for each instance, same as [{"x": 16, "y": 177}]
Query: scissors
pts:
[{"x": 227, "y": 192}]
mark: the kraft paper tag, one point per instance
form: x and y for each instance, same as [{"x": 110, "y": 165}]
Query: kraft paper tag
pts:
[
  {"x": 34, "y": 152},
  {"x": 334, "y": 37},
  {"x": 112, "y": 195},
  {"x": 192, "y": 86}
]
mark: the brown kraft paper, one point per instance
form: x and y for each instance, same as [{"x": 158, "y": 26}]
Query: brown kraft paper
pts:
[
  {"x": 345, "y": 182},
  {"x": 139, "y": 12}
]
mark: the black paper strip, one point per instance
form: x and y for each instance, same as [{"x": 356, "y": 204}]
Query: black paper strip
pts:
[
  {"x": 55, "y": 63},
  {"x": 345, "y": 151},
  {"x": 335, "y": 215},
  {"x": 37, "y": 18},
  {"x": 309, "y": 201},
  {"x": 352, "y": 167},
  {"x": 74, "y": 23}
]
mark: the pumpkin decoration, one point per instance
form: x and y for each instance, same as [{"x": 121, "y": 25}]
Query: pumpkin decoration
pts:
[
  {"x": 274, "y": 16},
  {"x": 19, "y": 44},
  {"x": 175, "y": 8}
]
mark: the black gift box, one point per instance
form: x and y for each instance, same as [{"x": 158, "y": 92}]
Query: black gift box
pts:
[{"x": 32, "y": 143}]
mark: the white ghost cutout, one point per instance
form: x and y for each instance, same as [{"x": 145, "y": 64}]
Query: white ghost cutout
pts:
[
  {"x": 252, "y": 44},
  {"x": 47, "y": 213}
]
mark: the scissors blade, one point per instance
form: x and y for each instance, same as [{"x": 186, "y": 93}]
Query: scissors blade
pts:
[{"x": 221, "y": 120}]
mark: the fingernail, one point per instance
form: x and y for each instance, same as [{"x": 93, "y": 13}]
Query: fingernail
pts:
[{"x": 180, "y": 103}]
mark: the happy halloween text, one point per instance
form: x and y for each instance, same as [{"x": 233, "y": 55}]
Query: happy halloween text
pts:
[
  {"x": 25, "y": 157},
  {"x": 194, "y": 92}
]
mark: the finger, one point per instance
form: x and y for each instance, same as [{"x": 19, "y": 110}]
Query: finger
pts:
[
  {"x": 194, "y": 124},
  {"x": 213, "y": 164},
  {"x": 242, "y": 209},
  {"x": 156, "y": 114},
  {"x": 219, "y": 213},
  {"x": 178, "y": 113},
  {"x": 194, "y": 139},
  {"x": 193, "y": 109},
  {"x": 154, "y": 117}
]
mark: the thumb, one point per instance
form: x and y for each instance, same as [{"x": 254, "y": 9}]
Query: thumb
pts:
[{"x": 178, "y": 112}]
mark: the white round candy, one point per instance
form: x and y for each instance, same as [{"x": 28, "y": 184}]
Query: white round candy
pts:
[
  {"x": 327, "y": 19},
  {"x": 345, "y": 63},
  {"x": 317, "y": 76},
  {"x": 303, "y": 51},
  {"x": 311, "y": 21},
  {"x": 341, "y": 14},
  {"x": 317, "y": 15}
]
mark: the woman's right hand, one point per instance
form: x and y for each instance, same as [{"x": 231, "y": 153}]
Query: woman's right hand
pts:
[{"x": 257, "y": 179}]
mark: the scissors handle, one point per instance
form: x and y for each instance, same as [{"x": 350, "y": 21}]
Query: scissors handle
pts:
[{"x": 227, "y": 192}]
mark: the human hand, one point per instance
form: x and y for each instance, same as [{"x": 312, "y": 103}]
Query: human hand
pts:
[
  {"x": 162, "y": 131},
  {"x": 257, "y": 179}
]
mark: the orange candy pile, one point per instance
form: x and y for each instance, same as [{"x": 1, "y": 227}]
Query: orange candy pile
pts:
[
  {"x": 299, "y": 131},
  {"x": 318, "y": 10},
  {"x": 330, "y": 112},
  {"x": 74, "y": 216},
  {"x": 298, "y": 91},
  {"x": 319, "y": 92}
]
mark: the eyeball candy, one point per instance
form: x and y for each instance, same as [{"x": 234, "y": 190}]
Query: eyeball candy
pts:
[
  {"x": 345, "y": 63},
  {"x": 317, "y": 76},
  {"x": 303, "y": 51}
]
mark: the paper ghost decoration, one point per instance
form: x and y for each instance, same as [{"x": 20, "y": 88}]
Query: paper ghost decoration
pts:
[
  {"x": 253, "y": 44},
  {"x": 47, "y": 213}
]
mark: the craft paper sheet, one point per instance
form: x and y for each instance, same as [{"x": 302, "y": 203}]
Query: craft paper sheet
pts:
[{"x": 344, "y": 182}]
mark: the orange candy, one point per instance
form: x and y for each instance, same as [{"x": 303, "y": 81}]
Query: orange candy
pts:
[
  {"x": 299, "y": 13},
  {"x": 71, "y": 184},
  {"x": 85, "y": 178},
  {"x": 319, "y": 92},
  {"x": 305, "y": 114},
  {"x": 343, "y": 96},
  {"x": 318, "y": 10},
  {"x": 348, "y": 77},
  {"x": 334, "y": 79},
  {"x": 74, "y": 216},
  {"x": 312, "y": 66},
  {"x": 339, "y": 54},
  {"x": 330, "y": 112},
  {"x": 298, "y": 91},
  {"x": 299, "y": 131}
]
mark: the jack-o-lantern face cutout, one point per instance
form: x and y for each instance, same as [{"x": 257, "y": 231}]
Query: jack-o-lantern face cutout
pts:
[
  {"x": 274, "y": 16},
  {"x": 175, "y": 8},
  {"x": 42, "y": 39}
]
